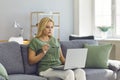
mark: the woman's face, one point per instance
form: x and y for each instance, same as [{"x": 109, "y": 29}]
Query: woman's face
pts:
[{"x": 49, "y": 29}]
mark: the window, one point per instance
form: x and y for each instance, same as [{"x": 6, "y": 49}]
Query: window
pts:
[
  {"x": 107, "y": 13},
  {"x": 117, "y": 17}
]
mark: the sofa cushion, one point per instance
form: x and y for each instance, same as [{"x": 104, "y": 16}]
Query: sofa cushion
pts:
[
  {"x": 25, "y": 77},
  {"x": 118, "y": 75},
  {"x": 10, "y": 57},
  {"x": 75, "y": 44},
  {"x": 29, "y": 69},
  {"x": 97, "y": 56},
  {"x": 3, "y": 72},
  {"x": 100, "y": 74},
  {"x": 54, "y": 78}
]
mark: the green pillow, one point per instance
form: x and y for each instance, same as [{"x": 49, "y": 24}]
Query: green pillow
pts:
[
  {"x": 3, "y": 72},
  {"x": 98, "y": 56}
]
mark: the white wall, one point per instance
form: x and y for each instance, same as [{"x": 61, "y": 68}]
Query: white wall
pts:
[
  {"x": 83, "y": 21},
  {"x": 19, "y": 10}
]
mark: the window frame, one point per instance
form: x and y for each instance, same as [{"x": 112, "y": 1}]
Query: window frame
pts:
[{"x": 113, "y": 19}]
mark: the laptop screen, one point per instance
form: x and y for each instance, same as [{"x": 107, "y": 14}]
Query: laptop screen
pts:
[{"x": 76, "y": 58}]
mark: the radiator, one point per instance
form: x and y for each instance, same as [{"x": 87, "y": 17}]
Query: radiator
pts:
[{"x": 115, "y": 52}]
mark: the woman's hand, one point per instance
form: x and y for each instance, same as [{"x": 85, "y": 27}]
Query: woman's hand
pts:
[
  {"x": 45, "y": 48},
  {"x": 32, "y": 55},
  {"x": 62, "y": 59}
]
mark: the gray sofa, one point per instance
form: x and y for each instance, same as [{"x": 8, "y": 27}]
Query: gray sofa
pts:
[{"x": 14, "y": 57}]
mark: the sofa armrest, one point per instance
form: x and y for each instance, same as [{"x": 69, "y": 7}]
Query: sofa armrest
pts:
[{"x": 114, "y": 65}]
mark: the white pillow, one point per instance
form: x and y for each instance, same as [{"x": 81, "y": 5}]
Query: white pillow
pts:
[{"x": 16, "y": 39}]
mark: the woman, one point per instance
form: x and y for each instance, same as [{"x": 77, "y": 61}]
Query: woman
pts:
[{"x": 45, "y": 50}]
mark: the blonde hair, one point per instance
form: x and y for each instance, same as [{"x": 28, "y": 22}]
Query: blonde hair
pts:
[{"x": 42, "y": 25}]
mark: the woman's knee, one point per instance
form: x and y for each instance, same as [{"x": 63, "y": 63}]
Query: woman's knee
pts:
[
  {"x": 79, "y": 71},
  {"x": 70, "y": 72},
  {"x": 69, "y": 75},
  {"x": 80, "y": 74}
]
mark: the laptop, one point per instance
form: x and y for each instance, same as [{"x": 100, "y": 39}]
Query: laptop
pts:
[{"x": 75, "y": 58}]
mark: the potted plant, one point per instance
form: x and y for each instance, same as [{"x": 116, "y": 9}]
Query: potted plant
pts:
[{"x": 104, "y": 30}]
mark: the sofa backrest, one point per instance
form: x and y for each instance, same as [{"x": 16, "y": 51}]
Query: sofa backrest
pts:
[
  {"x": 29, "y": 69},
  {"x": 75, "y": 44},
  {"x": 32, "y": 69},
  {"x": 11, "y": 58},
  {"x": 14, "y": 57}
]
